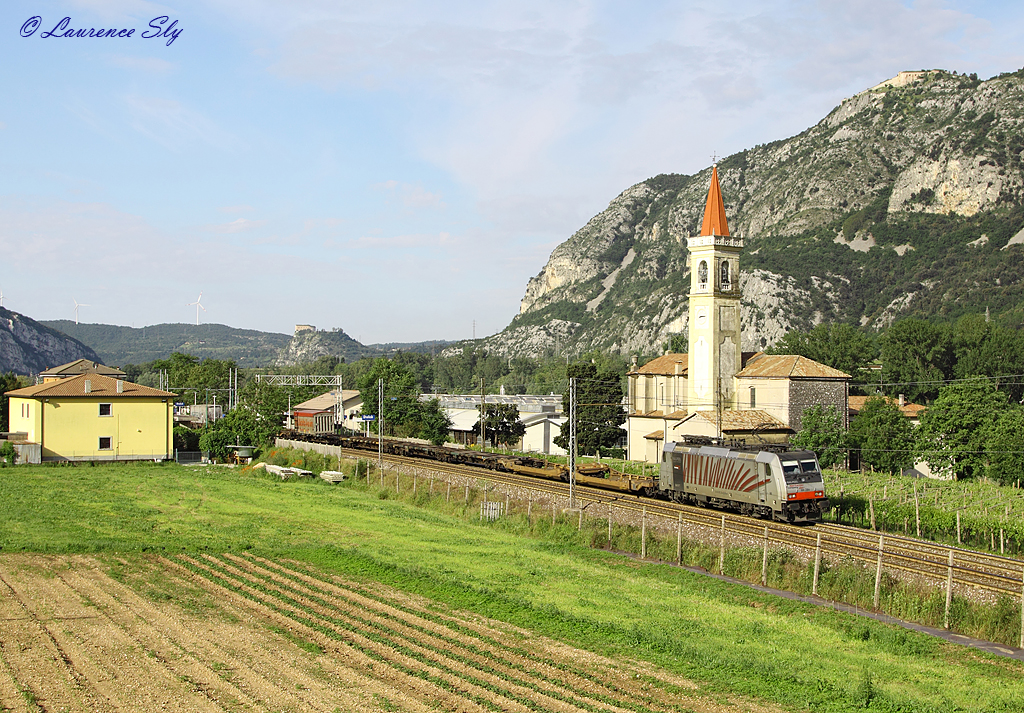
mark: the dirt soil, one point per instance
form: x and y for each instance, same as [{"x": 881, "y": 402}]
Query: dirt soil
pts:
[{"x": 241, "y": 633}]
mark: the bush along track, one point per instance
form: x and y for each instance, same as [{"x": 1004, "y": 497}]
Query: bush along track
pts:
[{"x": 450, "y": 655}]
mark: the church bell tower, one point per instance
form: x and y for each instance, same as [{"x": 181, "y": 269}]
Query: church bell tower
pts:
[{"x": 715, "y": 354}]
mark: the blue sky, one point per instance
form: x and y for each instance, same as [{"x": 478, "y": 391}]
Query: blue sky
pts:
[{"x": 396, "y": 169}]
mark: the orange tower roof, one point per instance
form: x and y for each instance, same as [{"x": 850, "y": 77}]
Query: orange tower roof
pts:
[{"x": 714, "y": 211}]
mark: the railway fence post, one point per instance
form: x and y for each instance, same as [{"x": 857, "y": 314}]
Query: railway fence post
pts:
[
  {"x": 467, "y": 495},
  {"x": 878, "y": 571},
  {"x": 579, "y": 524},
  {"x": 949, "y": 589},
  {"x": 679, "y": 540},
  {"x": 506, "y": 503},
  {"x": 643, "y": 533},
  {"x": 398, "y": 475},
  {"x": 609, "y": 524},
  {"x": 764, "y": 560},
  {"x": 1022, "y": 613},
  {"x": 448, "y": 494},
  {"x": 485, "y": 491},
  {"x": 554, "y": 513},
  {"x": 529, "y": 511},
  {"x": 430, "y": 490},
  {"x": 414, "y": 485},
  {"x": 721, "y": 548},
  {"x": 817, "y": 566}
]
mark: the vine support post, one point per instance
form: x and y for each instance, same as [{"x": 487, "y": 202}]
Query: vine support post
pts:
[
  {"x": 871, "y": 509},
  {"x": 817, "y": 566},
  {"x": 958, "y": 540},
  {"x": 949, "y": 589},
  {"x": 878, "y": 571},
  {"x": 917, "y": 510}
]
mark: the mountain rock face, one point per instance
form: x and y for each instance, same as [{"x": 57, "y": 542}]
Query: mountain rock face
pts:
[
  {"x": 311, "y": 344},
  {"x": 905, "y": 200},
  {"x": 28, "y": 347}
]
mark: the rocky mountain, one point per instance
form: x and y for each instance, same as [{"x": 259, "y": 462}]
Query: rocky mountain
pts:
[
  {"x": 905, "y": 200},
  {"x": 28, "y": 346}
]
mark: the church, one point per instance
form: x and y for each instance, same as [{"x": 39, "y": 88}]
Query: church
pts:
[{"x": 715, "y": 389}]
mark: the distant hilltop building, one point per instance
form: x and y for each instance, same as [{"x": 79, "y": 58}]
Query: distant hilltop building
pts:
[
  {"x": 903, "y": 79},
  {"x": 715, "y": 389},
  {"x": 304, "y": 328}
]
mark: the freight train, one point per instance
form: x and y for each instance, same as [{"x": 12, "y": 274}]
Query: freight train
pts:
[{"x": 766, "y": 481}]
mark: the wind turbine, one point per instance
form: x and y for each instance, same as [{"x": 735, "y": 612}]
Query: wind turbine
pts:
[
  {"x": 198, "y": 305},
  {"x": 76, "y": 308},
  {"x": 1, "y": 298}
]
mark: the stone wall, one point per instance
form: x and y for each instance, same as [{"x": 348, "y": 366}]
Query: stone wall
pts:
[{"x": 804, "y": 393}]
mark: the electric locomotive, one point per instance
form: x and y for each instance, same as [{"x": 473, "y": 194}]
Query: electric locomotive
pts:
[{"x": 786, "y": 485}]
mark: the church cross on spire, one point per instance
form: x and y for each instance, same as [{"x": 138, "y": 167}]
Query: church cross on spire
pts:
[{"x": 714, "y": 210}]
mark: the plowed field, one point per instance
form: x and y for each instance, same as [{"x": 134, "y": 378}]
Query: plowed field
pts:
[{"x": 241, "y": 633}]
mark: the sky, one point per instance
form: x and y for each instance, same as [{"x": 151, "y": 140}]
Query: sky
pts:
[{"x": 398, "y": 170}]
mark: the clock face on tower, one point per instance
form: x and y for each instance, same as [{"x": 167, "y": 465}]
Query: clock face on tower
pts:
[{"x": 702, "y": 317}]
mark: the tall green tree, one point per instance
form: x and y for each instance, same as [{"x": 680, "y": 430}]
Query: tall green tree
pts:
[
  {"x": 824, "y": 433},
  {"x": 599, "y": 412},
  {"x": 502, "y": 424},
  {"x": 882, "y": 436},
  {"x": 400, "y": 395},
  {"x": 1005, "y": 446},
  {"x": 917, "y": 357},
  {"x": 435, "y": 424},
  {"x": 841, "y": 346},
  {"x": 983, "y": 348},
  {"x": 8, "y": 382},
  {"x": 955, "y": 429}
]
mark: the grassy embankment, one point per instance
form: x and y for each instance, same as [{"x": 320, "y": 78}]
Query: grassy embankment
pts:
[{"x": 732, "y": 639}]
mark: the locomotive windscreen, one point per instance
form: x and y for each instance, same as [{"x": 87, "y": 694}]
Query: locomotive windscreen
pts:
[{"x": 801, "y": 471}]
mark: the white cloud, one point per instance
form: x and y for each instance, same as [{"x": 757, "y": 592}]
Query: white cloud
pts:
[
  {"x": 236, "y": 226},
  {"x": 411, "y": 195}
]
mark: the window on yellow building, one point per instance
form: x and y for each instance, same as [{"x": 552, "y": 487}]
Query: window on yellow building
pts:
[
  {"x": 753, "y": 398},
  {"x": 105, "y": 443},
  {"x": 106, "y": 409}
]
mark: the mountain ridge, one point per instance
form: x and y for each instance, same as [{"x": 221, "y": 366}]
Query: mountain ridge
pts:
[{"x": 894, "y": 204}]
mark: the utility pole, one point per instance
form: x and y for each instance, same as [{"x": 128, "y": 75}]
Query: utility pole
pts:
[
  {"x": 483, "y": 413},
  {"x": 572, "y": 442},
  {"x": 718, "y": 406},
  {"x": 380, "y": 426}
]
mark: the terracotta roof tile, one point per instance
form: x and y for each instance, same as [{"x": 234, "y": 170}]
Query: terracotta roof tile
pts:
[
  {"x": 82, "y": 366},
  {"x": 783, "y": 366},
  {"x": 910, "y": 410},
  {"x": 655, "y": 435},
  {"x": 743, "y": 420},
  {"x": 664, "y": 365},
  {"x": 99, "y": 385},
  {"x": 323, "y": 402}
]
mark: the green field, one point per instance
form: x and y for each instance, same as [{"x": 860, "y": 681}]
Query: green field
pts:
[{"x": 729, "y": 638}]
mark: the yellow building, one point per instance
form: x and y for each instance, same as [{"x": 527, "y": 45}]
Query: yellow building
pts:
[{"x": 94, "y": 417}]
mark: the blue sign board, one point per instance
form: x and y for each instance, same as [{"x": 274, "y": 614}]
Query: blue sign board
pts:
[{"x": 369, "y": 417}]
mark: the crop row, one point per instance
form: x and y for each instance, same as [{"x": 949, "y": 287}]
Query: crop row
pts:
[{"x": 458, "y": 660}]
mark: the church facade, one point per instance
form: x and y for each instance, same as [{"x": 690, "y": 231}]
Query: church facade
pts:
[{"x": 716, "y": 389}]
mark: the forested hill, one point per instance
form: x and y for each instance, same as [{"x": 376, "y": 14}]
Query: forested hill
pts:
[
  {"x": 906, "y": 200},
  {"x": 118, "y": 346},
  {"x": 127, "y": 345}
]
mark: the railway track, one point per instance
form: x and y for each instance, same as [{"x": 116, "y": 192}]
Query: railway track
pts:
[{"x": 966, "y": 572}]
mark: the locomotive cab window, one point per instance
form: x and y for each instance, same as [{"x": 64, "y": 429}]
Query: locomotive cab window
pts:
[{"x": 795, "y": 472}]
